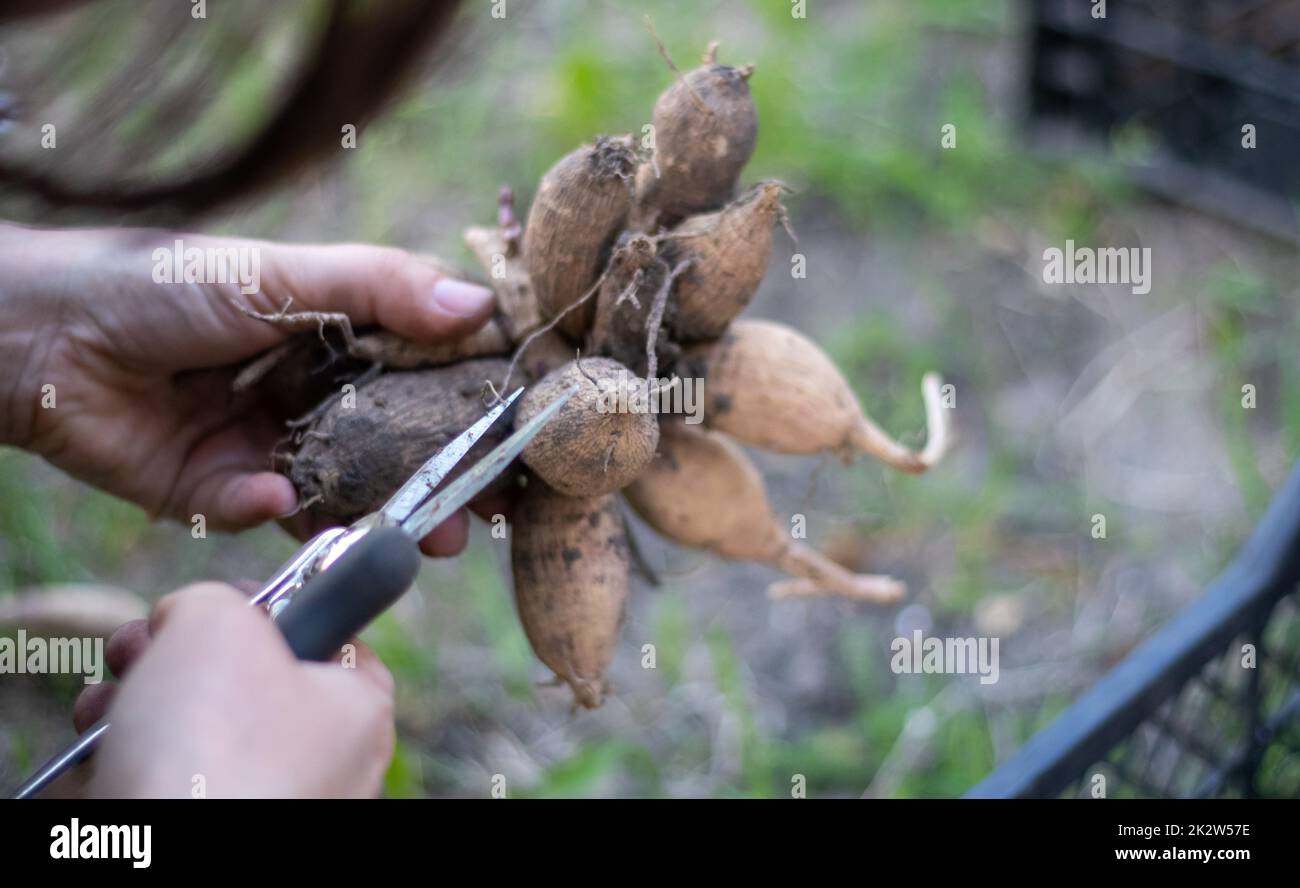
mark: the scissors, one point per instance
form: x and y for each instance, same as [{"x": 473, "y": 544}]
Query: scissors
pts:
[{"x": 344, "y": 577}]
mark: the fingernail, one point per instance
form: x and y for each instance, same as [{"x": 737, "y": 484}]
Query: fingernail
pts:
[{"x": 460, "y": 298}]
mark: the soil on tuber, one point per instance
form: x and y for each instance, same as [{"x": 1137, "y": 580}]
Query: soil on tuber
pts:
[{"x": 369, "y": 442}]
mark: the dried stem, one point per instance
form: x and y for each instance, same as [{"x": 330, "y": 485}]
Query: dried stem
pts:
[
  {"x": 507, "y": 221},
  {"x": 513, "y": 287}
]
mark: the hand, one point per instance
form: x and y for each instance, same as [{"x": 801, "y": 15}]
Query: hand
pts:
[
  {"x": 142, "y": 370},
  {"x": 212, "y": 697}
]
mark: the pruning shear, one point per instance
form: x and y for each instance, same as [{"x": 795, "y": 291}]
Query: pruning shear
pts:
[{"x": 344, "y": 577}]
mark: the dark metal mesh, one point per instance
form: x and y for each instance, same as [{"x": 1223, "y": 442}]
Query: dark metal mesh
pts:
[
  {"x": 1230, "y": 732},
  {"x": 1189, "y": 73}
]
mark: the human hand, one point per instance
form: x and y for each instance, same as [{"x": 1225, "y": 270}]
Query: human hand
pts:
[
  {"x": 142, "y": 370},
  {"x": 212, "y": 698}
]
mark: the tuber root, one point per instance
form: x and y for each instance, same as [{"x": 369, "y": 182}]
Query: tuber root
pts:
[
  {"x": 581, "y": 204},
  {"x": 356, "y": 455},
  {"x": 705, "y": 126},
  {"x": 569, "y": 556},
  {"x": 728, "y": 252},
  {"x": 702, "y": 491},
  {"x": 768, "y": 385}
]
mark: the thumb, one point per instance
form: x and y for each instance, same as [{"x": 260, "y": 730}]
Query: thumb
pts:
[{"x": 377, "y": 285}]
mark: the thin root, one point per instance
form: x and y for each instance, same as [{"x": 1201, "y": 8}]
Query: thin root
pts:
[
  {"x": 663, "y": 51},
  {"x": 656, "y": 319},
  {"x": 299, "y": 318},
  {"x": 783, "y": 216},
  {"x": 577, "y": 360},
  {"x": 867, "y": 437},
  {"x": 629, "y": 294},
  {"x": 309, "y": 417},
  {"x": 277, "y": 458},
  {"x": 304, "y": 505},
  {"x": 496, "y": 396},
  {"x": 550, "y": 325}
]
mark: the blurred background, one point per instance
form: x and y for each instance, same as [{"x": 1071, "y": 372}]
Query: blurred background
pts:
[{"x": 1071, "y": 400}]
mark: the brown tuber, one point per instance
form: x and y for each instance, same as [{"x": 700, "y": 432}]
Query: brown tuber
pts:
[
  {"x": 593, "y": 445},
  {"x": 705, "y": 128},
  {"x": 580, "y": 207},
  {"x": 768, "y": 385},
  {"x": 728, "y": 252},
  {"x": 569, "y": 556},
  {"x": 702, "y": 491},
  {"x": 356, "y": 455}
]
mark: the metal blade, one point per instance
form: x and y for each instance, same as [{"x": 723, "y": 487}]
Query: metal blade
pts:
[
  {"x": 464, "y": 488},
  {"x": 416, "y": 491}
]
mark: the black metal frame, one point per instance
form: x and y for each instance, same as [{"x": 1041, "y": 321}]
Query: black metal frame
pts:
[
  {"x": 1190, "y": 73},
  {"x": 1119, "y": 724}
]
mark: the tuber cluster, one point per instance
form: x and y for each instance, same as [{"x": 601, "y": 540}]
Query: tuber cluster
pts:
[{"x": 626, "y": 282}]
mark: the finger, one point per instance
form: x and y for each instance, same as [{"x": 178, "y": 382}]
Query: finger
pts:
[
  {"x": 365, "y": 733},
  {"x": 160, "y": 612},
  {"x": 91, "y": 704},
  {"x": 366, "y": 662},
  {"x": 248, "y": 587},
  {"x": 204, "y": 602},
  {"x": 232, "y": 499},
  {"x": 162, "y": 607},
  {"x": 444, "y": 541},
  {"x": 126, "y": 645},
  {"x": 377, "y": 285},
  {"x": 305, "y": 525},
  {"x": 448, "y": 538},
  {"x": 223, "y": 479},
  {"x": 194, "y": 597},
  {"x": 488, "y": 506}
]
